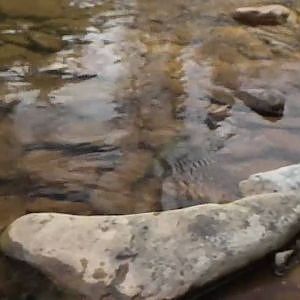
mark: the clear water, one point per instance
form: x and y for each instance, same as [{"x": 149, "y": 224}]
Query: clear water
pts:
[{"x": 116, "y": 120}]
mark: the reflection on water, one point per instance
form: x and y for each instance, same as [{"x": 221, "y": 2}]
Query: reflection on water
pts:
[{"x": 113, "y": 107}]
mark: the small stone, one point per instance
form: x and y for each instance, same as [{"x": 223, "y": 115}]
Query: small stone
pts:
[
  {"x": 264, "y": 102},
  {"x": 226, "y": 130},
  {"x": 281, "y": 261},
  {"x": 265, "y": 15},
  {"x": 218, "y": 112},
  {"x": 211, "y": 123}
]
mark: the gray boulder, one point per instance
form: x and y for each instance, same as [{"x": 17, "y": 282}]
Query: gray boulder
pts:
[
  {"x": 154, "y": 255},
  {"x": 265, "y": 102},
  {"x": 44, "y": 41},
  {"x": 283, "y": 180}
]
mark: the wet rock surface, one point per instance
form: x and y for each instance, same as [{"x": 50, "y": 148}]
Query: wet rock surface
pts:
[
  {"x": 152, "y": 256},
  {"x": 45, "y": 42},
  {"x": 282, "y": 180},
  {"x": 264, "y": 102},
  {"x": 265, "y": 15},
  {"x": 36, "y": 9}
]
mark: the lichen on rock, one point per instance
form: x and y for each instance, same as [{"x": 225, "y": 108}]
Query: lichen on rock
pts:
[{"x": 152, "y": 256}]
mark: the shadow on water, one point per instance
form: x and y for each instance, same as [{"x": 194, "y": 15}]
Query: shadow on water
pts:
[{"x": 115, "y": 107}]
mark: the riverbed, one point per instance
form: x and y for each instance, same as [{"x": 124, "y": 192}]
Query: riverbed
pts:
[{"x": 120, "y": 107}]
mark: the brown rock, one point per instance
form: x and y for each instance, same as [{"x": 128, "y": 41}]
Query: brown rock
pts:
[
  {"x": 264, "y": 15},
  {"x": 263, "y": 101},
  {"x": 218, "y": 112},
  {"x": 45, "y": 42},
  {"x": 19, "y": 39}
]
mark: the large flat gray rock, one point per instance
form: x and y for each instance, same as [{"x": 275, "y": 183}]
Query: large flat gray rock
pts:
[
  {"x": 283, "y": 180},
  {"x": 155, "y": 255}
]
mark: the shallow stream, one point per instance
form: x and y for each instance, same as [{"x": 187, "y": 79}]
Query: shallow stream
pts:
[{"x": 129, "y": 106}]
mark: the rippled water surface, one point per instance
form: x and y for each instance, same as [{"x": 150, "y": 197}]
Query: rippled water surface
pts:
[{"x": 108, "y": 107}]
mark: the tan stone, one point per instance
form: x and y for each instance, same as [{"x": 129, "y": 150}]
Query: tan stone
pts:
[{"x": 265, "y": 15}]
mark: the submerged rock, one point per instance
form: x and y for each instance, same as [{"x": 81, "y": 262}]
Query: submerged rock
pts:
[
  {"x": 152, "y": 255},
  {"x": 19, "y": 39},
  {"x": 265, "y": 102},
  {"x": 282, "y": 180},
  {"x": 281, "y": 261},
  {"x": 34, "y": 9},
  {"x": 265, "y": 15},
  {"x": 218, "y": 112},
  {"x": 45, "y": 42},
  {"x": 10, "y": 53}
]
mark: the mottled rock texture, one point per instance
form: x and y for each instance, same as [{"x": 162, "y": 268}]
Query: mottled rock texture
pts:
[
  {"x": 283, "y": 180},
  {"x": 153, "y": 255},
  {"x": 45, "y": 42}
]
